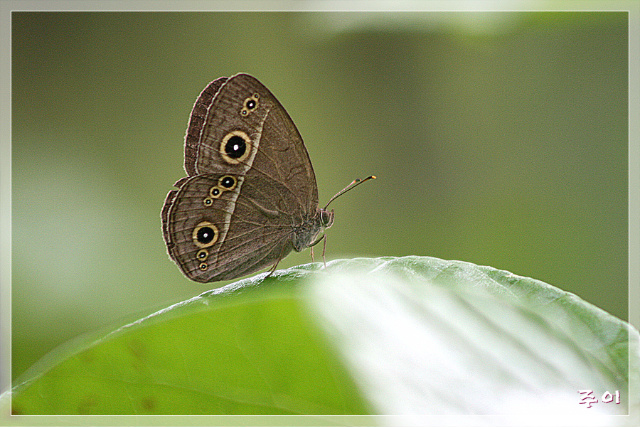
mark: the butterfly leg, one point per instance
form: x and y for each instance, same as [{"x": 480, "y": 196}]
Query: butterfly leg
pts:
[
  {"x": 275, "y": 264},
  {"x": 272, "y": 269},
  {"x": 324, "y": 248}
]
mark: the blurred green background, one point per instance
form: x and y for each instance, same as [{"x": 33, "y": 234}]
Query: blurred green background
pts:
[{"x": 497, "y": 138}]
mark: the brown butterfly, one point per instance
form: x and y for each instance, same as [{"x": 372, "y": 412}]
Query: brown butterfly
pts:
[{"x": 250, "y": 196}]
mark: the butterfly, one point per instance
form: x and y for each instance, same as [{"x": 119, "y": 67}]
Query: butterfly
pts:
[{"x": 250, "y": 195}]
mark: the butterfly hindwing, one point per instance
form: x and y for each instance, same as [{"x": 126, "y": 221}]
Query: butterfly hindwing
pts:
[{"x": 221, "y": 226}]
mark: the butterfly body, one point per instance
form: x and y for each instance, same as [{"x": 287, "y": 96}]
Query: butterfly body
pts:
[{"x": 250, "y": 196}]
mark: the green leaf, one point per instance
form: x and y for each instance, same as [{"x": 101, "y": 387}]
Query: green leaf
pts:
[{"x": 412, "y": 336}]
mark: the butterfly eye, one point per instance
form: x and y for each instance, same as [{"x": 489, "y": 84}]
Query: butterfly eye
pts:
[
  {"x": 202, "y": 254},
  {"x": 326, "y": 218},
  {"x": 205, "y": 234},
  {"x": 227, "y": 182},
  {"x": 235, "y": 147},
  {"x": 250, "y": 104},
  {"x": 214, "y": 192}
]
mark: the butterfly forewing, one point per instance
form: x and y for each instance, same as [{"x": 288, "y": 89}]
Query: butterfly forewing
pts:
[{"x": 280, "y": 150}]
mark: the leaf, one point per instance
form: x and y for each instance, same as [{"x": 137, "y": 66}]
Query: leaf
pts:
[
  {"x": 423, "y": 336},
  {"x": 412, "y": 337},
  {"x": 243, "y": 349}
]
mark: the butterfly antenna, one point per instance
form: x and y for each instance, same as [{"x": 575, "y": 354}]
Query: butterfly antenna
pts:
[{"x": 353, "y": 184}]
